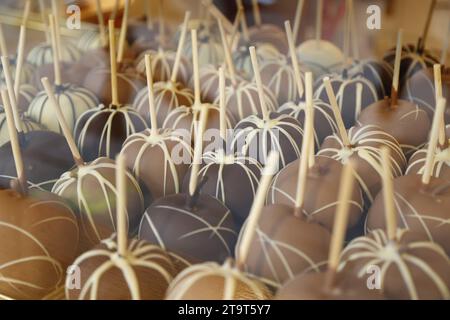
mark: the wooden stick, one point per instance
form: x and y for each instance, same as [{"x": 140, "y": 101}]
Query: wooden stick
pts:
[
  {"x": 354, "y": 31},
  {"x": 438, "y": 94},
  {"x": 57, "y": 26},
  {"x": 112, "y": 56},
  {"x": 297, "y": 20},
  {"x": 122, "y": 225},
  {"x": 13, "y": 136},
  {"x": 445, "y": 46},
  {"x": 256, "y": 210},
  {"x": 340, "y": 222},
  {"x": 161, "y": 24},
  {"x": 309, "y": 97},
  {"x": 235, "y": 42},
  {"x": 101, "y": 23},
  {"x": 62, "y": 122},
  {"x": 256, "y": 13},
  {"x": 437, "y": 81},
  {"x": 346, "y": 33},
  {"x": 20, "y": 59},
  {"x": 223, "y": 117},
  {"x": 3, "y": 47},
  {"x": 306, "y": 149},
  {"x": 180, "y": 47},
  {"x": 58, "y": 38},
  {"x": 207, "y": 20},
  {"x": 336, "y": 111},
  {"x": 115, "y": 10},
  {"x": 434, "y": 136},
  {"x": 228, "y": 58},
  {"x": 309, "y": 118},
  {"x": 151, "y": 97},
  {"x": 311, "y": 154},
  {"x": 236, "y": 23},
  {"x": 244, "y": 26},
  {"x": 42, "y": 10},
  {"x": 123, "y": 32},
  {"x": 148, "y": 14},
  {"x": 359, "y": 90},
  {"x": 427, "y": 25},
  {"x": 196, "y": 71},
  {"x": 200, "y": 10},
  {"x": 11, "y": 93},
  {"x": 237, "y": 17},
  {"x": 396, "y": 77},
  {"x": 319, "y": 17},
  {"x": 295, "y": 64},
  {"x": 230, "y": 281},
  {"x": 14, "y": 19},
  {"x": 26, "y": 12},
  {"x": 259, "y": 84},
  {"x": 388, "y": 194},
  {"x": 56, "y": 66},
  {"x": 198, "y": 147},
  {"x": 218, "y": 15}
]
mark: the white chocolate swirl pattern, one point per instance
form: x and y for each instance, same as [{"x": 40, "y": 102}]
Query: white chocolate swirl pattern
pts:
[
  {"x": 73, "y": 100},
  {"x": 102, "y": 131},
  {"x": 420, "y": 208},
  {"x": 209, "y": 83},
  {"x": 321, "y": 190},
  {"x": 152, "y": 159},
  {"x": 441, "y": 163},
  {"x": 227, "y": 281},
  {"x": 222, "y": 171},
  {"x": 168, "y": 96},
  {"x": 26, "y": 124},
  {"x": 27, "y": 92},
  {"x": 378, "y": 72},
  {"x": 256, "y": 137},
  {"x": 321, "y": 57},
  {"x": 420, "y": 90},
  {"x": 26, "y": 75},
  {"x": 186, "y": 118},
  {"x": 32, "y": 260},
  {"x": 210, "y": 51},
  {"x": 242, "y": 100},
  {"x": 284, "y": 246},
  {"x": 162, "y": 62},
  {"x": 143, "y": 273},
  {"x": 345, "y": 88},
  {"x": 411, "y": 61},
  {"x": 410, "y": 269},
  {"x": 370, "y": 139},
  {"x": 205, "y": 232},
  {"x": 243, "y": 63},
  {"x": 324, "y": 122},
  {"x": 278, "y": 76},
  {"x": 42, "y": 53},
  {"x": 91, "y": 40},
  {"x": 92, "y": 193}
]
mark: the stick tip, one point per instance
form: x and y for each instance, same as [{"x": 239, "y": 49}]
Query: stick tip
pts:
[
  {"x": 271, "y": 166},
  {"x": 120, "y": 159},
  {"x": 437, "y": 67}
]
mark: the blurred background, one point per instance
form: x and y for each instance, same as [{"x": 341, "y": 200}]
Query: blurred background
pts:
[{"x": 407, "y": 14}]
